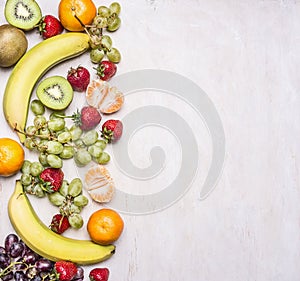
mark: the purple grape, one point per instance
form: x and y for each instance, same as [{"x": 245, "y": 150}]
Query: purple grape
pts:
[
  {"x": 8, "y": 276},
  {"x": 20, "y": 276},
  {"x": 2, "y": 250},
  {"x": 9, "y": 240},
  {"x": 44, "y": 265},
  {"x": 4, "y": 260},
  {"x": 37, "y": 278},
  {"x": 16, "y": 250},
  {"x": 26, "y": 248},
  {"x": 31, "y": 272},
  {"x": 79, "y": 274},
  {"x": 19, "y": 264},
  {"x": 30, "y": 258}
]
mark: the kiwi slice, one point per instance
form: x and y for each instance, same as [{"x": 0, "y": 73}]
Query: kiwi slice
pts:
[
  {"x": 55, "y": 92},
  {"x": 24, "y": 14}
]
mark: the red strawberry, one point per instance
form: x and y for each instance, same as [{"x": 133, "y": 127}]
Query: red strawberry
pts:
[
  {"x": 79, "y": 78},
  {"x": 88, "y": 118},
  {"x": 112, "y": 130},
  {"x": 59, "y": 223},
  {"x": 65, "y": 270},
  {"x": 106, "y": 70},
  {"x": 52, "y": 179},
  {"x": 50, "y": 26},
  {"x": 99, "y": 274}
]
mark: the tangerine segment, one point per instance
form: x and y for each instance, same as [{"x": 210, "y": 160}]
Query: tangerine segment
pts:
[
  {"x": 73, "y": 14},
  {"x": 108, "y": 99},
  {"x": 99, "y": 184},
  {"x": 11, "y": 157},
  {"x": 105, "y": 226}
]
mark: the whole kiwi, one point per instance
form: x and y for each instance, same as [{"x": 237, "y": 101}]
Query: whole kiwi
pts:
[{"x": 13, "y": 45}]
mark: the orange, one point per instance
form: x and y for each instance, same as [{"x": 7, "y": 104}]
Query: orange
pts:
[
  {"x": 105, "y": 226},
  {"x": 84, "y": 10},
  {"x": 11, "y": 157},
  {"x": 108, "y": 99}
]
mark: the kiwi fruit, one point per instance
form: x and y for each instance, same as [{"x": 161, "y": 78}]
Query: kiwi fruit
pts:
[
  {"x": 24, "y": 14},
  {"x": 13, "y": 45},
  {"x": 55, "y": 92}
]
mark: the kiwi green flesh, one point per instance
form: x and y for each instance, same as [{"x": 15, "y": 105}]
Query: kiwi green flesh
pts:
[
  {"x": 55, "y": 92},
  {"x": 24, "y": 14}
]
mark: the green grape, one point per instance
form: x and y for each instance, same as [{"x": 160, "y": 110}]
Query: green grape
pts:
[
  {"x": 26, "y": 179},
  {"x": 56, "y": 124},
  {"x": 64, "y": 188},
  {"x": 29, "y": 144},
  {"x": 106, "y": 42},
  {"x": 37, "y": 107},
  {"x": 56, "y": 114},
  {"x": 36, "y": 168},
  {"x": 95, "y": 150},
  {"x": 82, "y": 157},
  {"x": 31, "y": 130},
  {"x": 75, "y": 220},
  {"x": 44, "y": 133},
  {"x": 101, "y": 143},
  {"x": 79, "y": 143},
  {"x": 56, "y": 198},
  {"x": 26, "y": 167},
  {"x": 54, "y": 147},
  {"x": 115, "y": 7},
  {"x": 114, "y": 24},
  {"x": 43, "y": 159},
  {"x": 103, "y": 159},
  {"x": 75, "y": 132},
  {"x": 75, "y": 187},
  {"x": 81, "y": 200},
  {"x": 75, "y": 209},
  {"x": 28, "y": 188},
  {"x": 114, "y": 55},
  {"x": 96, "y": 55},
  {"x": 90, "y": 137},
  {"x": 64, "y": 137},
  {"x": 100, "y": 22},
  {"x": 42, "y": 146},
  {"x": 103, "y": 11},
  {"x": 54, "y": 161},
  {"x": 39, "y": 121},
  {"x": 38, "y": 191},
  {"x": 67, "y": 153}
]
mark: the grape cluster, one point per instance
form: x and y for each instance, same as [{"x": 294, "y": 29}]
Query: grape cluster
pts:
[
  {"x": 55, "y": 142},
  {"x": 18, "y": 262},
  {"x": 68, "y": 198},
  {"x": 107, "y": 18}
]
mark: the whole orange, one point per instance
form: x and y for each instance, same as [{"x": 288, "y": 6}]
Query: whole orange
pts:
[
  {"x": 11, "y": 157},
  {"x": 73, "y": 13},
  {"x": 105, "y": 226}
]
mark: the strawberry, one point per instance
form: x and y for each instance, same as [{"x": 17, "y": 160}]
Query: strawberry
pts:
[
  {"x": 79, "y": 78},
  {"x": 65, "y": 270},
  {"x": 88, "y": 118},
  {"x": 106, "y": 70},
  {"x": 112, "y": 130},
  {"x": 52, "y": 179},
  {"x": 99, "y": 274},
  {"x": 50, "y": 26},
  {"x": 59, "y": 223}
]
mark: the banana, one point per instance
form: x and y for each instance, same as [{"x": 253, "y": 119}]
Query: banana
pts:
[
  {"x": 31, "y": 67},
  {"x": 47, "y": 243}
]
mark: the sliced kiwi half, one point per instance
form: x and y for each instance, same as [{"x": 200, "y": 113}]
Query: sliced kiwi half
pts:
[
  {"x": 24, "y": 14},
  {"x": 55, "y": 92}
]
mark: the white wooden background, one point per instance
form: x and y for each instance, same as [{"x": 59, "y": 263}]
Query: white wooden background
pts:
[{"x": 246, "y": 56}]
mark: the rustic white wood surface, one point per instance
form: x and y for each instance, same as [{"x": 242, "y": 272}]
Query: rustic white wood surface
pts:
[{"x": 245, "y": 55}]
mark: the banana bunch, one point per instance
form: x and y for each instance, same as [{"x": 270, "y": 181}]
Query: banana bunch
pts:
[
  {"x": 47, "y": 243},
  {"x": 31, "y": 67}
]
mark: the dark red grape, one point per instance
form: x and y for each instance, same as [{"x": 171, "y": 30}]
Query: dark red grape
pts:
[
  {"x": 9, "y": 276},
  {"x": 9, "y": 240},
  {"x": 37, "y": 278},
  {"x": 20, "y": 276},
  {"x": 2, "y": 250},
  {"x": 79, "y": 274},
  {"x": 4, "y": 260},
  {"x": 16, "y": 250},
  {"x": 30, "y": 258},
  {"x": 44, "y": 265}
]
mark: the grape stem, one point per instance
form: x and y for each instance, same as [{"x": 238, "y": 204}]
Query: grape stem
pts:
[{"x": 9, "y": 267}]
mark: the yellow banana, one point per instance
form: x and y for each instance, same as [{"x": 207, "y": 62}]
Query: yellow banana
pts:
[
  {"x": 47, "y": 243},
  {"x": 31, "y": 67}
]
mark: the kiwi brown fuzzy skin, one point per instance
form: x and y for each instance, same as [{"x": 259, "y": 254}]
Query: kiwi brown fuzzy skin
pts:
[{"x": 13, "y": 45}]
